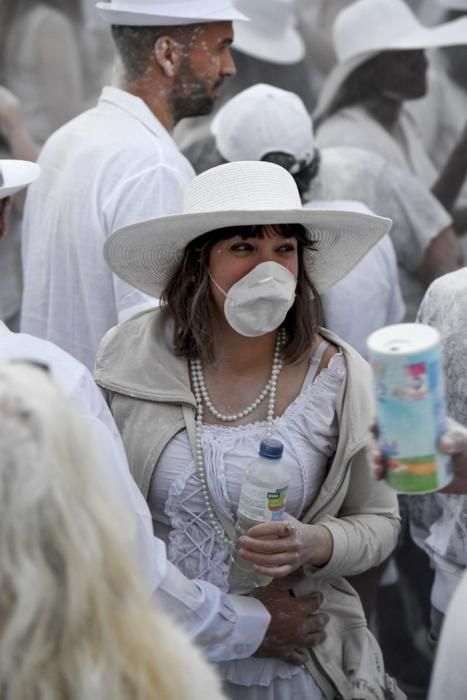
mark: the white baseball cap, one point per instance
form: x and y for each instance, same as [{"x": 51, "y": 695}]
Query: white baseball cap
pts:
[
  {"x": 15, "y": 175},
  {"x": 264, "y": 119}
]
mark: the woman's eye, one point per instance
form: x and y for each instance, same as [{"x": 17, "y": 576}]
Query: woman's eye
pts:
[
  {"x": 287, "y": 248},
  {"x": 242, "y": 247}
]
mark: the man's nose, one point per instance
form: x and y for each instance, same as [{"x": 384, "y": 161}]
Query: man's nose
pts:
[{"x": 228, "y": 64}]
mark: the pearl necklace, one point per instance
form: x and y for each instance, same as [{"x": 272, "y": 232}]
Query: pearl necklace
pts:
[{"x": 202, "y": 396}]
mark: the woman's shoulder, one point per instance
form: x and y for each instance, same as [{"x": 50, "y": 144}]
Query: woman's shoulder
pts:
[{"x": 142, "y": 341}]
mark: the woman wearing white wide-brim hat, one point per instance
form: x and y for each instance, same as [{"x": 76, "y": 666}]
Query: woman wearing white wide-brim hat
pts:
[
  {"x": 381, "y": 64},
  {"x": 236, "y": 353}
]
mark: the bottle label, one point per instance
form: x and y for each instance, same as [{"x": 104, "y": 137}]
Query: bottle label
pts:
[{"x": 261, "y": 504}]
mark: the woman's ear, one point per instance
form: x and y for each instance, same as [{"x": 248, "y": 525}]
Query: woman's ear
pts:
[{"x": 168, "y": 55}]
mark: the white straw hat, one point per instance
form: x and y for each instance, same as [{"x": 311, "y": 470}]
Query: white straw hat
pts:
[
  {"x": 263, "y": 119},
  {"x": 15, "y": 175},
  {"x": 369, "y": 27},
  {"x": 270, "y": 34},
  {"x": 146, "y": 255},
  {"x": 159, "y": 13}
]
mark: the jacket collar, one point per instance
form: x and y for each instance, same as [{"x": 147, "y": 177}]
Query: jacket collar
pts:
[{"x": 136, "y": 358}]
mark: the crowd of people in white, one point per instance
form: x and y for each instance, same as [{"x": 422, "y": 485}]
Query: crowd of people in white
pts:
[{"x": 157, "y": 159}]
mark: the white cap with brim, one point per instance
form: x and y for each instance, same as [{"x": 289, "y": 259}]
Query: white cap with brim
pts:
[
  {"x": 146, "y": 255},
  {"x": 270, "y": 35},
  {"x": 160, "y": 13},
  {"x": 15, "y": 175},
  {"x": 264, "y": 119},
  {"x": 370, "y": 27}
]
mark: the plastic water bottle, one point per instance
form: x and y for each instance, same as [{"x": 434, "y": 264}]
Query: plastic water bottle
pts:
[{"x": 262, "y": 499}]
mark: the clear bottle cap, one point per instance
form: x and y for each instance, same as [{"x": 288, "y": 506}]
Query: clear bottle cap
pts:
[{"x": 271, "y": 448}]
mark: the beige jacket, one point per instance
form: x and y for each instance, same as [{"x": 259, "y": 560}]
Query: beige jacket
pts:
[{"x": 148, "y": 391}]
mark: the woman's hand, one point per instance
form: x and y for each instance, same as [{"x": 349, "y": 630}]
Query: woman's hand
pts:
[
  {"x": 295, "y": 624},
  {"x": 453, "y": 443},
  {"x": 278, "y": 549}
]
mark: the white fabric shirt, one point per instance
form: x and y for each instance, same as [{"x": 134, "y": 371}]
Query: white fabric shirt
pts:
[
  {"x": 226, "y": 626},
  {"x": 112, "y": 166},
  {"x": 439, "y": 521},
  {"x": 353, "y": 126},
  {"x": 369, "y": 296},
  {"x": 308, "y": 430},
  {"x": 418, "y": 217},
  {"x": 449, "y": 679}
]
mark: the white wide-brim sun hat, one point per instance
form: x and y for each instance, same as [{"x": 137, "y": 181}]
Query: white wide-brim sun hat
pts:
[
  {"x": 15, "y": 175},
  {"x": 270, "y": 35},
  {"x": 160, "y": 13},
  {"x": 369, "y": 27},
  {"x": 245, "y": 193}
]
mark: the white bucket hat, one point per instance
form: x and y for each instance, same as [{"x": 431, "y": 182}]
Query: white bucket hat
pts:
[
  {"x": 369, "y": 27},
  {"x": 264, "y": 119},
  {"x": 160, "y": 13},
  {"x": 15, "y": 175},
  {"x": 270, "y": 34},
  {"x": 146, "y": 255}
]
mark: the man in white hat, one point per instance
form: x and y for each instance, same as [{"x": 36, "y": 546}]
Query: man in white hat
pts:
[
  {"x": 381, "y": 64},
  {"x": 269, "y": 48},
  {"x": 117, "y": 164},
  {"x": 225, "y": 626}
]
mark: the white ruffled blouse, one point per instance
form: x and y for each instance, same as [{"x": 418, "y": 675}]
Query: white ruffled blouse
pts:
[{"x": 308, "y": 429}]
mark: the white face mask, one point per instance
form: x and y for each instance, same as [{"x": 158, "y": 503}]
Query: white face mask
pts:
[{"x": 258, "y": 303}]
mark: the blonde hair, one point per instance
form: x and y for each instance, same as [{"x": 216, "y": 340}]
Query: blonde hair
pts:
[{"x": 75, "y": 621}]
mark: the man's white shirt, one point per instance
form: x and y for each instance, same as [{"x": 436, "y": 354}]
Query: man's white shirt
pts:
[{"x": 110, "y": 167}]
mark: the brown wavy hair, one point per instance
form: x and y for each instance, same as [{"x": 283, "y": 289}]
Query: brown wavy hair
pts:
[{"x": 188, "y": 301}]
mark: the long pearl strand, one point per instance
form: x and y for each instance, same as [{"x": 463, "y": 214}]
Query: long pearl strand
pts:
[{"x": 202, "y": 396}]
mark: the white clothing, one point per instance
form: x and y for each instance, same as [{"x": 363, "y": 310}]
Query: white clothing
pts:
[
  {"x": 438, "y": 521},
  {"x": 353, "y": 126},
  {"x": 309, "y": 430},
  {"x": 418, "y": 217},
  {"x": 42, "y": 67},
  {"x": 449, "y": 679},
  {"x": 367, "y": 298},
  {"x": 226, "y": 626},
  {"x": 112, "y": 166}
]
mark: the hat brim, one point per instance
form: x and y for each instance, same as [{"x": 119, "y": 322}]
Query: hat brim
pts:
[
  {"x": 146, "y": 255},
  {"x": 287, "y": 49},
  {"x": 166, "y": 16},
  {"x": 449, "y": 34},
  {"x": 17, "y": 174}
]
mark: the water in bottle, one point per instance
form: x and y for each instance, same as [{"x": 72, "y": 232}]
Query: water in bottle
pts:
[{"x": 262, "y": 499}]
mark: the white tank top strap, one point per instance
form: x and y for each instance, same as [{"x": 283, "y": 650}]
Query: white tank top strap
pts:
[{"x": 316, "y": 358}]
